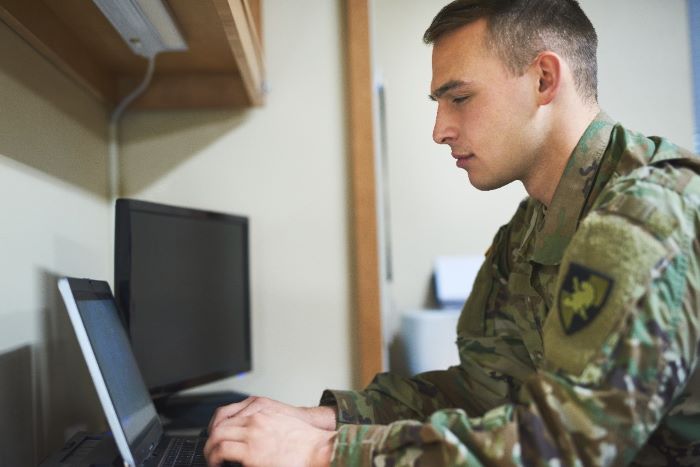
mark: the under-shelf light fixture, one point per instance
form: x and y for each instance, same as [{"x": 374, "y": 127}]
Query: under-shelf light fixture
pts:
[{"x": 145, "y": 25}]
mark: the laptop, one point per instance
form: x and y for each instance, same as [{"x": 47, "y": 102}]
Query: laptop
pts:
[{"x": 132, "y": 418}]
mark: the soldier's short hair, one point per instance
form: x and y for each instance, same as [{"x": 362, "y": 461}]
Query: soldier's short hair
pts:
[{"x": 519, "y": 30}]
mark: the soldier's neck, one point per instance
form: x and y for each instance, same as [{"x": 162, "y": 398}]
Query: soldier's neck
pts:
[{"x": 562, "y": 137}]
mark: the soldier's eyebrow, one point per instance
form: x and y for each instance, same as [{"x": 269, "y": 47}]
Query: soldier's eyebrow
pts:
[{"x": 449, "y": 86}]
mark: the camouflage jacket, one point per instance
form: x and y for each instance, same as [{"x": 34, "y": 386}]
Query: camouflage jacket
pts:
[{"x": 579, "y": 342}]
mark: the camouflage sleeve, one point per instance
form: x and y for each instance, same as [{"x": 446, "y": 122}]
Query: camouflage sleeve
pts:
[
  {"x": 492, "y": 366},
  {"x": 620, "y": 345}
]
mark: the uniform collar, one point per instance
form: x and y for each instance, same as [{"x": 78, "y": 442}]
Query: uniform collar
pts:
[{"x": 554, "y": 226}]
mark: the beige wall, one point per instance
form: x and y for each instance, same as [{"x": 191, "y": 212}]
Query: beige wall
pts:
[
  {"x": 54, "y": 220},
  {"x": 644, "y": 71},
  {"x": 283, "y": 166}
]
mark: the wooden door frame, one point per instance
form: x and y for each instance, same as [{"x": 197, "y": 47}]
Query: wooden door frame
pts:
[{"x": 363, "y": 197}]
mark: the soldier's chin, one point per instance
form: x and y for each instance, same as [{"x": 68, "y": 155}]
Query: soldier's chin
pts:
[{"x": 483, "y": 184}]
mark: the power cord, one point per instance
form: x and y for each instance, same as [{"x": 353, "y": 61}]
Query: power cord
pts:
[{"x": 113, "y": 164}]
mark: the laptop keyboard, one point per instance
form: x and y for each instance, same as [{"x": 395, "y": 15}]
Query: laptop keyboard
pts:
[{"x": 184, "y": 452}]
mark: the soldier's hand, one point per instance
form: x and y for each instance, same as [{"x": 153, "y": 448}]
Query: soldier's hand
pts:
[
  {"x": 268, "y": 439},
  {"x": 319, "y": 417}
]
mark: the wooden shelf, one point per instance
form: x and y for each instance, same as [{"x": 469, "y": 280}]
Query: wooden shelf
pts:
[{"x": 223, "y": 67}]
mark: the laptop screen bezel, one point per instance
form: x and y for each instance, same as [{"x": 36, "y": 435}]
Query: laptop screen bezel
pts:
[{"x": 74, "y": 290}]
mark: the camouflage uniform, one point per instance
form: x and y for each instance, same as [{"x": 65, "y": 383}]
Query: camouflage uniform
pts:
[{"x": 579, "y": 342}]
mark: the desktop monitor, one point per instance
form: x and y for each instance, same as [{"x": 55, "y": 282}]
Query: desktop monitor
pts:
[{"x": 182, "y": 287}]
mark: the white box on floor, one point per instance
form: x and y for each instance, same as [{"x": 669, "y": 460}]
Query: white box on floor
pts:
[{"x": 429, "y": 338}]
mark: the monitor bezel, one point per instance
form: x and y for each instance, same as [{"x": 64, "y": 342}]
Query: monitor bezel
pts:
[{"x": 122, "y": 284}]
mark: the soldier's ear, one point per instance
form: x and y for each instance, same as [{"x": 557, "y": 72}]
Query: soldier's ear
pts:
[{"x": 547, "y": 68}]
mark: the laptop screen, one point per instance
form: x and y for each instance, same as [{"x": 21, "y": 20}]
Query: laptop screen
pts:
[
  {"x": 103, "y": 340},
  {"x": 110, "y": 344}
]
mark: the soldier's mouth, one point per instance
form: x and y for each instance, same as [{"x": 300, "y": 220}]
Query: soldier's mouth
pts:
[{"x": 463, "y": 160}]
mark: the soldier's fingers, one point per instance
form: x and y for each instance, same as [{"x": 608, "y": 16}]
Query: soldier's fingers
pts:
[
  {"x": 228, "y": 411},
  {"x": 259, "y": 405},
  {"x": 238, "y": 420},
  {"x": 228, "y": 451},
  {"x": 223, "y": 435}
]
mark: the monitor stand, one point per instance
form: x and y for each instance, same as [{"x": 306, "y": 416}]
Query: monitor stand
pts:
[{"x": 192, "y": 412}]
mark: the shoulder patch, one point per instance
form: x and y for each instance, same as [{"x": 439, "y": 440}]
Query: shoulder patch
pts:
[
  {"x": 608, "y": 266},
  {"x": 582, "y": 296}
]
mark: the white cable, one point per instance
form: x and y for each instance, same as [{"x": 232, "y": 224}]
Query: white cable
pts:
[{"x": 113, "y": 166}]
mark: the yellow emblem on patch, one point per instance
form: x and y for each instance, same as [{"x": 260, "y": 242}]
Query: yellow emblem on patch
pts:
[{"x": 581, "y": 297}]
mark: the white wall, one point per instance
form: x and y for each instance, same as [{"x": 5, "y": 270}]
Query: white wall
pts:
[
  {"x": 645, "y": 82},
  {"x": 54, "y": 220},
  {"x": 283, "y": 165},
  {"x": 645, "y": 78}
]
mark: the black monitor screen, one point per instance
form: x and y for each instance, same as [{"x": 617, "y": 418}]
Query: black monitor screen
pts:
[{"x": 181, "y": 280}]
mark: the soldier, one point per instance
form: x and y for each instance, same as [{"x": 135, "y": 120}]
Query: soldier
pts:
[{"x": 579, "y": 342}]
